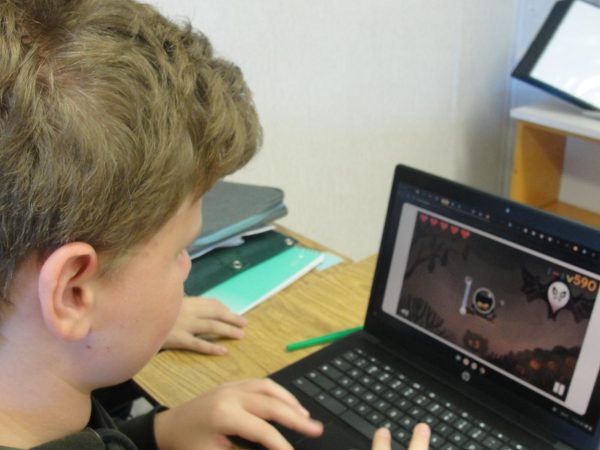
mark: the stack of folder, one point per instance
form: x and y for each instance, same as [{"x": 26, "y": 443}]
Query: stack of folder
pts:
[{"x": 239, "y": 258}]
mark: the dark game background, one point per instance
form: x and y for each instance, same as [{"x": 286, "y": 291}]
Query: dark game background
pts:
[{"x": 522, "y": 335}]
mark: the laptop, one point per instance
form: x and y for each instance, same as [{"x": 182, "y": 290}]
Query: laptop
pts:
[{"x": 483, "y": 321}]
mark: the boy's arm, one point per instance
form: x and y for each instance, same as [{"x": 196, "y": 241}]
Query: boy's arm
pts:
[{"x": 141, "y": 429}]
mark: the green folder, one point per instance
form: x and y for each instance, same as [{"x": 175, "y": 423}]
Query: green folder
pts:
[
  {"x": 223, "y": 263},
  {"x": 246, "y": 290}
]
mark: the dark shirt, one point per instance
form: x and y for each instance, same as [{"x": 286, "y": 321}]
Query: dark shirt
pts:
[{"x": 102, "y": 433}]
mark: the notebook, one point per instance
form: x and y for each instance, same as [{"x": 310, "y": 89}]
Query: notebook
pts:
[
  {"x": 248, "y": 289},
  {"x": 483, "y": 321}
]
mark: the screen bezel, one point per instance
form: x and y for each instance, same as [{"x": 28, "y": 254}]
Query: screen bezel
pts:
[
  {"x": 528, "y": 62},
  {"x": 412, "y": 345}
]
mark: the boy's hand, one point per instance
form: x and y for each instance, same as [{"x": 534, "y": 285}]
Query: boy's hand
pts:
[
  {"x": 236, "y": 409},
  {"x": 204, "y": 317},
  {"x": 420, "y": 438}
]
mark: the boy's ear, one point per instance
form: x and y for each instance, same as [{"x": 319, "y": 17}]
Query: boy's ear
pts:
[{"x": 65, "y": 290}]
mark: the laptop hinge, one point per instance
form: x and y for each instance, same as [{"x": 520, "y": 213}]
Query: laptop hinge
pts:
[{"x": 371, "y": 338}]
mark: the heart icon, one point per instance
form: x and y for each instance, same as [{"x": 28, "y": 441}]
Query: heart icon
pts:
[
  {"x": 464, "y": 234},
  {"x": 453, "y": 229},
  {"x": 443, "y": 226},
  {"x": 423, "y": 218},
  {"x": 433, "y": 222}
]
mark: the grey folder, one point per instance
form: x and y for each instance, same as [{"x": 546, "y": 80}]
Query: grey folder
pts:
[{"x": 230, "y": 209}]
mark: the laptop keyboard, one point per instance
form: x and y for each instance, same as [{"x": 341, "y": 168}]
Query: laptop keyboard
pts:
[{"x": 368, "y": 394}]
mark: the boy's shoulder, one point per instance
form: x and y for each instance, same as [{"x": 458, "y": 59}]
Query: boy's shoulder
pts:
[
  {"x": 100, "y": 434},
  {"x": 88, "y": 439}
]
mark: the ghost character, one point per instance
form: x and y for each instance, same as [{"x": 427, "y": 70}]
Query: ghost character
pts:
[{"x": 558, "y": 296}]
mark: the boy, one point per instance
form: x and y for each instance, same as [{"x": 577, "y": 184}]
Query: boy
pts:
[{"x": 113, "y": 123}]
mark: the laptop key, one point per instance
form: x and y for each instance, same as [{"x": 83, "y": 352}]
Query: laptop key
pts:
[
  {"x": 361, "y": 362},
  {"x": 390, "y": 395},
  {"x": 357, "y": 389},
  {"x": 350, "y": 355},
  {"x": 381, "y": 405},
  {"x": 462, "y": 425},
  {"x": 339, "y": 392},
  {"x": 416, "y": 412},
  {"x": 350, "y": 400},
  {"x": 421, "y": 400},
  {"x": 408, "y": 422},
  {"x": 402, "y": 404},
  {"x": 306, "y": 386},
  {"x": 383, "y": 376},
  {"x": 375, "y": 417},
  {"x": 389, "y": 425},
  {"x": 341, "y": 364},
  {"x": 393, "y": 414},
  {"x": 359, "y": 424},
  {"x": 477, "y": 434},
  {"x": 457, "y": 438},
  {"x": 331, "y": 372},
  {"x": 321, "y": 380},
  {"x": 434, "y": 407},
  {"x": 378, "y": 388},
  {"x": 473, "y": 446},
  {"x": 492, "y": 443},
  {"x": 430, "y": 420},
  {"x": 449, "y": 446},
  {"x": 369, "y": 398},
  {"x": 436, "y": 441},
  {"x": 371, "y": 369},
  {"x": 401, "y": 435},
  {"x": 408, "y": 392},
  {"x": 345, "y": 381},
  {"x": 354, "y": 373},
  {"x": 448, "y": 416},
  {"x": 443, "y": 429},
  {"x": 499, "y": 435},
  {"x": 362, "y": 409},
  {"x": 330, "y": 403}
]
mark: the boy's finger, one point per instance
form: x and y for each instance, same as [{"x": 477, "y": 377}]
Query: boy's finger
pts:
[
  {"x": 257, "y": 430},
  {"x": 420, "y": 437},
  {"x": 217, "y": 328},
  {"x": 210, "y": 308},
  {"x": 289, "y": 416},
  {"x": 270, "y": 388},
  {"x": 382, "y": 440},
  {"x": 194, "y": 344}
]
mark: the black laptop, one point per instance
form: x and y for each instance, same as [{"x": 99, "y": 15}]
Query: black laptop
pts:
[{"x": 483, "y": 321}]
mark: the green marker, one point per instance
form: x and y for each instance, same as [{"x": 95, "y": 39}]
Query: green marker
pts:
[{"x": 321, "y": 339}]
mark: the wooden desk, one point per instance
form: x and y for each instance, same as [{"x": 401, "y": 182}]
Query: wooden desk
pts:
[{"x": 319, "y": 303}]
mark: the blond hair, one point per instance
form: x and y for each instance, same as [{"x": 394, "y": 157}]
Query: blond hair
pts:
[{"x": 110, "y": 116}]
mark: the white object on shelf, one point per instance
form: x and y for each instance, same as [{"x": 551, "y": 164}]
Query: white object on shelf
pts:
[{"x": 559, "y": 117}]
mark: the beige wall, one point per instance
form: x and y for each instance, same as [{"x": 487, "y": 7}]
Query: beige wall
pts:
[{"x": 348, "y": 89}]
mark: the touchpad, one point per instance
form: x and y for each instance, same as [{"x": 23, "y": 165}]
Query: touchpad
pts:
[{"x": 335, "y": 436}]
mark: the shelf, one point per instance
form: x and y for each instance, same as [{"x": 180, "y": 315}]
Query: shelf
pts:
[
  {"x": 574, "y": 213},
  {"x": 542, "y": 132},
  {"x": 566, "y": 120}
]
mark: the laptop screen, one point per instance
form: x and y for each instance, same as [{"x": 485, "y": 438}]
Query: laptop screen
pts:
[{"x": 504, "y": 294}]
